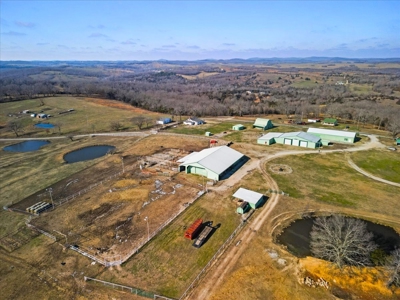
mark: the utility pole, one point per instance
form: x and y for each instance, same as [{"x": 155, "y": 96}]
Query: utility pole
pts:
[
  {"x": 123, "y": 167},
  {"x": 50, "y": 190},
  {"x": 148, "y": 230}
]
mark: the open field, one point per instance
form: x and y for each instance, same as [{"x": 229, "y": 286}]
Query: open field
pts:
[
  {"x": 199, "y": 76},
  {"x": 109, "y": 219},
  {"x": 169, "y": 263},
  {"x": 24, "y": 173},
  {"x": 313, "y": 177},
  {"x": 327, "y": 178},
  {"x": 213, "y": 127},
  {"x": 384, "y": 163},
  {"x": 90, "y": 115}
]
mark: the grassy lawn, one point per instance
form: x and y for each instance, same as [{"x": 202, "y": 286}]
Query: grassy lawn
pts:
[
  {"x": 24, "y": 173},
  {"x": 89, "y": 115},
  {"x": 305, "y": 84},
  {"x": 169, "y": 262},
  {"x": 328, "y": 179},
  {"x": 384, "y": 164},
  {"x": 214, "y": 128}
]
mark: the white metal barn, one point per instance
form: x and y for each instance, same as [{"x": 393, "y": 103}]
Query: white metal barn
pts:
[
  {"x": 253, "y": 198},
  {"x": 212, "y": 163}
]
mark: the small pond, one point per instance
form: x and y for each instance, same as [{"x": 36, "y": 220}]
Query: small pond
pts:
[
  {"x": 26, "y": 146},
  {"x": 45, "y": 125},
  {"x": 296, "y": 237},
  {"x": 87, "y": 153}
]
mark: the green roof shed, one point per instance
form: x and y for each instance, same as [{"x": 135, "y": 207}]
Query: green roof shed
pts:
[
  {"x": 329, "y": 121},
  {"x": 238, "y": 127},
  {"x": 263, "y": 123}
]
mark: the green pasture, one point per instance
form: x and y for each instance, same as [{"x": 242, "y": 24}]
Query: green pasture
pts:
[
  {"x": 169, "y": 262},
  {"x": 87, "y": 117},
  {"x": 327, "y": 178},
  {"x": 381, "y": 163}
]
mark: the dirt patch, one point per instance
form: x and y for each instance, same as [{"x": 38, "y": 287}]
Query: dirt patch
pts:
[{"x": 110, "y": 220}]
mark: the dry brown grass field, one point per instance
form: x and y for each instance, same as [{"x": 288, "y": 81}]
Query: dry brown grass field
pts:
[{"x": 111, "y": 221}]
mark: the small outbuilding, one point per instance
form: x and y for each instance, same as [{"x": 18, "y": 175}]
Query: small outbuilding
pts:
[
  {"x": 208, "y": 133},
  {"x": 243, "y": 208},
  {"x": 238, "y": 127},
  {"x": 163, "y": 121},
  {"x": 330, "y": 136},
  {"x": 330, "y": 122},
  {"x": 41, "y": 116},
  {"x": 313, "y": 120},
  {"x": 193, "y": 121},
  {"x": 398, "y": 141},
  {"x": 262, "y": 123},
  {"x": 269, "y": 138},
  {"x": 253, "y": 198}
]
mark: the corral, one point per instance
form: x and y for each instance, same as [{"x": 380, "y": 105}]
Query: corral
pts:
[{"x": 115, "y": 218}]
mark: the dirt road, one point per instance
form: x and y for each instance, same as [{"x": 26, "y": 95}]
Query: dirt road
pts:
[{"x": 228, "y": 260}]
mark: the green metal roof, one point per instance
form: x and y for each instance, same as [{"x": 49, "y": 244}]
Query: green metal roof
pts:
[
  {"x": 329, "y": 120},
  {"x": 261, "y": 122}
]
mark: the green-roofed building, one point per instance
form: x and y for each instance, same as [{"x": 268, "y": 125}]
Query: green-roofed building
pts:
[
  {"x": 329, "y": 122},
  {"x": 238, "y": 127},
  {"x": 262, "y": 123},
  {"x": 398, "y": 141}
]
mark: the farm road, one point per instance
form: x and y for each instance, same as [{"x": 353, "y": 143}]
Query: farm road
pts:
[{"x": 216, "y": 276}]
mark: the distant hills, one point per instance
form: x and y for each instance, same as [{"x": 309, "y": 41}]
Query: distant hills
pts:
[{"x": 254, "y": 60}]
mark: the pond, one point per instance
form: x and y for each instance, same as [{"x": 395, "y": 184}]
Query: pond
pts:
[
  {"x": 26, "y": 146},
  {"x": 296, "y": 237},
  {"x": 45, "y": 125},
  {"x": 87, "y": 153}
]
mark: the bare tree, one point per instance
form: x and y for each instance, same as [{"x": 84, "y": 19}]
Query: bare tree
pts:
[
  {"x": 393, "y": 267},
  {"x": 115, "y": 126},
  {"x": 15, "y": 126},
  {"x": 342, "y": 240},
  {"x": 394, "y": 124},
  {"x": 138, "y": 121},
  {"x": 149, "y": 121},
  {"x": 58, "y": 125}
]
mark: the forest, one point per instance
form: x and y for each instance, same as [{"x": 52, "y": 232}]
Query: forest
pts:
[{"x": 365, "y": 91}]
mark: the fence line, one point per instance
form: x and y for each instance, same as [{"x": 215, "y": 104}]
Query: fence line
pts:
[
  {"x": 90, "y": 187},
  {"x": 153, "y": 234},
  {"x": 133, "y": 290},
  {"x": 42, "y": 231},
  {"x": 215, "y": 256}
]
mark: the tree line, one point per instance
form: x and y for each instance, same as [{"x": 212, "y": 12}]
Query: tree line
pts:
[{"x": 244, "y": 90}]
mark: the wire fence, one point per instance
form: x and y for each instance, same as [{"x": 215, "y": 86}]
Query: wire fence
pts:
[
  {"x": 132, "y": 290},
  {"x": 153, "y": 234},
  {"x": 216, "y": 255}
]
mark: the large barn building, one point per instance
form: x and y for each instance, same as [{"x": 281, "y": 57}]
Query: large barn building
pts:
[
  {"x": 331, "y": 136},
  {"x": 264, "y": 124},
  {"x": 214, "y": 163},
  {"x": 300, "y": 138}
]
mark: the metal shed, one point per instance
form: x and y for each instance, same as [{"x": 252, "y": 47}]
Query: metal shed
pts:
[
  {"x": 269, "y": 138},
  {"x": 253, "y": 198},
  {"x": 300, "y": 139},
  {"x": 212, "y": 163},
  {"x": 330, "y": 122},
  {"x": 328, "y": 136},
  {"x": 238, "y": 127},
  {"x": 263, "y": 123}
]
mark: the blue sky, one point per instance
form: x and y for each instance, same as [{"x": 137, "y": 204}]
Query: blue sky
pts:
[{"x": 191, "y": 30}]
